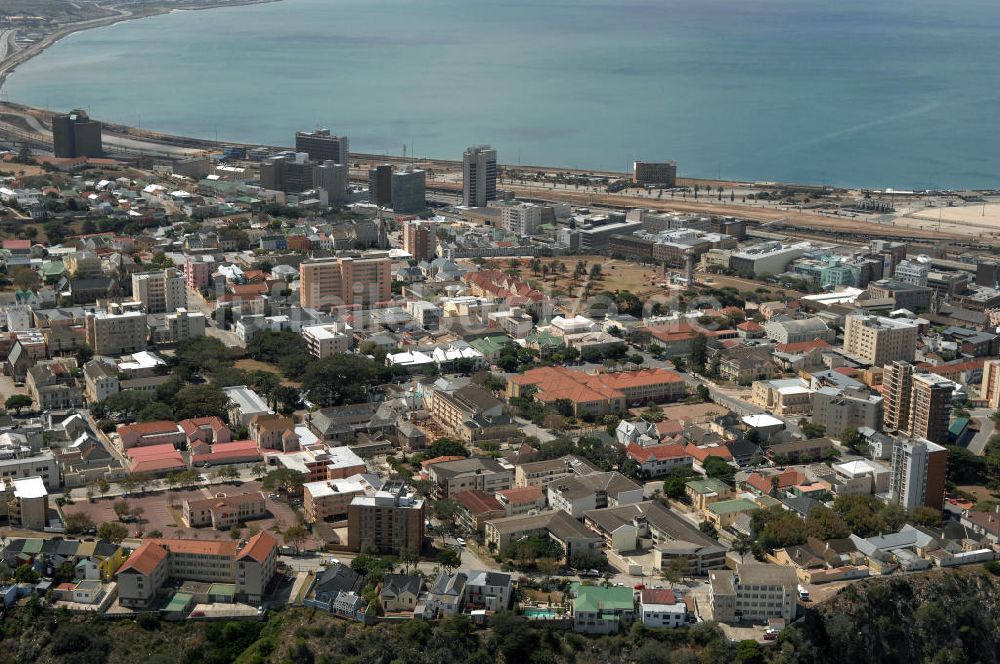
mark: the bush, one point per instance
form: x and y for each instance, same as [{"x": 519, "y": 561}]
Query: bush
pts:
[{"x": 993, "y": 567}]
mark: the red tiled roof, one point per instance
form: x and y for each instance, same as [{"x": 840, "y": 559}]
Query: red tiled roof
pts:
[
  {"x": 786, "y": 479},
  {"x": 749, "y": 326},
  {"x": 656, "y": 452},
  {"x": 144, "y": 559},
  {"x": 191, "y": 426},
  {"x": 669, "y": 427},
  {"x": 201, "y": 547},
  {"x": 802, "y": 346},
  {"x": 523, "y": 494},
  {"x": 702, "y": 453},
  {"x": 259, "y": 547},
  {"x": 658, "y": 596},
  {"x": 222, "y": 452},
  {"x": 477, "y": 502},
  {"x": 440, "y": 459},
  {"x": 148, "y": 428},
  {"x": 556, "y": 383}
]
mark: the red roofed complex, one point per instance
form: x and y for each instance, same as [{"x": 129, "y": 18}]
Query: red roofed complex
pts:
[
  {"x": 150, "y": 433},
  {"x": 658, "y": 460},
  {"x": 156, "y": 459},
  {"x": 478, "y": 507},
  {"x": 237, "y": 451},
  {"x": 602, "y": 393},
  {"x": 206, "y": 429},
  {"x": 700, "y": 454},
  {"x": 766, "y": 484},
  {"x": 495, "y": 283},
  {"x": 250, "y": 568}
]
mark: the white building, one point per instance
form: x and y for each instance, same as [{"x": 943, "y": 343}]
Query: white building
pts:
[
  {"x": 522, "y": 219},
  {"x": 660, "y": 607},
  {"x": 325, "y": 340},
  {"x": 913, "y": 272}
]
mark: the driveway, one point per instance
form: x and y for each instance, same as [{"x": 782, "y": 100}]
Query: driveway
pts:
[{"x": 978, "y": 444}]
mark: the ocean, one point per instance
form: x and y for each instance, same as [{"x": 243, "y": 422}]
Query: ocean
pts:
[{"x": 876, "y": 93}]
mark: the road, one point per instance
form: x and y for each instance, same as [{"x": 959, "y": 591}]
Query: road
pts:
[{"x": 7, "y": 44}]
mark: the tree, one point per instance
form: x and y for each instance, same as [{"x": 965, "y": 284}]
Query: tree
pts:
[
  {"x": 446, "y": 511},
  {"x": 676, "y": 570},
  {"x": 289, "y": 481},
  {"x": 203, "y": 400},
  {"x": 446, "y": 447},
  {"x": 449, "y": 559},
  {"x": 339, "y": 379},
  {"x": 112, "y": 531},
  {"x": 296, "y": 535},
  {"x": 121, "y": 508},
  {"x": 103, "y": 486},
  {"x": 824, "y": 524},
  {"x": 717, "y": 468},
  {"x": 229, "y": 473},
  {"x": 853, "y": 441},
  {"x": 674, "y": 486},
  {"x": 25, "y": 278},
  {"x": 77, "y": 523},
  {"x": 17, "y": 402},
  {"x": 258, "y": 471}
]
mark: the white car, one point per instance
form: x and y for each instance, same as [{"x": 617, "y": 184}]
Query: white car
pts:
[{"x": 461, "y": 542}]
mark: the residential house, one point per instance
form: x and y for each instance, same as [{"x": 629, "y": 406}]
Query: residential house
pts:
[
  {"x": 660, "y": 607},
  {"x": 602, "y": 610},
  {"x": 399, "y": 592}
]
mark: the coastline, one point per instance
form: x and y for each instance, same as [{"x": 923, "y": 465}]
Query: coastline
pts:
[{"x": 17, "y": 58}]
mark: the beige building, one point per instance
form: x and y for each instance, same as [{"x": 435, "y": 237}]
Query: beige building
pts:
[
  {"x": 753, "y": 593},
  {"x": 918, "y": 404},
  {"x": 159, "y": 292},
  {"x": 116, "y": 334},
  {"x": 990, "y": 388},
  {"x": 82, "y": 264},
  {"x": 325, "y": 340},
  {"x": 327, "y": 500},
  {"x": 250, "y": 567},
  {"x": 223, "y": 511},
  {"x": 390, "y": 521},
  {"x": 877, "y": 340},
  {"x": 339, "y": 281},
  {"x": 27, "y": 502},
  {"x": 472, "y": 414},
  {"x": 53, "y": 386},
  {"x": 177, "y": 326},
  {"x": 790, "y": 396},
  {"x": 482, "y": 473},
  {"x": 540, "y": 473}
]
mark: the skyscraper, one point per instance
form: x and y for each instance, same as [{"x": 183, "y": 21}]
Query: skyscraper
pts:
[
  {"x": 321, "y": 146},
  {"x": 380, "y": 185},
  {"x": 918, "y": 404},
  {"x": 919, "y": 471},
  {"x": 479, "y": 176},
  {"x": 76, "y": 135},
  {"x": 292, "y": 173},
  {"x": 409, "y": 191},
  {"x": 332, "y": 178},
  {"x": 990, "y": 388},
  {"x": 418, "y": 240},
  {"x": 897, "y": 387}
]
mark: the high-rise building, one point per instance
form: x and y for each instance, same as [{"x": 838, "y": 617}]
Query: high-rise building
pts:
[
  {"x": 116, "y": 334},
  {"x": 409, "y": 191},
  {"x": 380, "y": 185},
  {"x": 321, "y": 146},
  {"x": 919, "y": 471},
  {"x": 897, "y": 387},
  {"x": 522, "y": 219},
  {"x": 391, "y": 521},
  {"x": 913, "y": 272},
  {"x": 159, "y": 292},
  {"x": 76, "y": 135},
  {"x": 479, "y": 176},
  {"x": 876, "y": 340},
  {"x": 990, "y": 388},
  {"x": 336, "y": 281},
  {"x": 332, "y": 177},
  {"x": 662, "y": 173},
  {"x": 930, "y": 407},
  {"x": 418, "y": 240},
  {"x": 292, "y": 173}
]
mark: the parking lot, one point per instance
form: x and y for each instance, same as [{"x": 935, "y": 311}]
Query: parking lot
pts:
[{"x": 161, "y": 511}]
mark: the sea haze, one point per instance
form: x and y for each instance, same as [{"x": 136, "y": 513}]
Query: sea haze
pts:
[{"x": 899, "y": 93}]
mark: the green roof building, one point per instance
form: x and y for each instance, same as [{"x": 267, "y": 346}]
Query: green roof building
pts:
[{"x": 602, "y": 610}]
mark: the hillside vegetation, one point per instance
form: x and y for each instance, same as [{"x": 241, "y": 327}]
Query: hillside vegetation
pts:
[{"x": 942, "y": 617}]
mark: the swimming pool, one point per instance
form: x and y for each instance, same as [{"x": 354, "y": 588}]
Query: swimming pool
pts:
[{"x": 540, "y": 614}]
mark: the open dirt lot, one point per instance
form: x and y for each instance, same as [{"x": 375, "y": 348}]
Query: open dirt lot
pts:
[
  {"x": 642, "y": 280},
  {"x": 246, "y": 364},
  {"x": 975, "y": 220},
  {"x": 162, "y": 511}
]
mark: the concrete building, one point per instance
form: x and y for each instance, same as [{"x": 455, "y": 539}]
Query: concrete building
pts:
[
  {"x": 919, "y": 473},
  {"x": 577, "y": 495},
  {"x": 250, "y": 568},
  {"x": 291, "y": 173},
  {"x": 754, "y": 593},
  {"x": 770, "y": 257},
  {"x": 418, "y": 240},
  {"x": 53, "y": 386},
  {"x": 330, "y": 499},
  {"x": 471, "y": 414},
  {"x": 244, "y": 405},
  {"x": 522, "y": 219},
  {"x": 337, "y": 281},
  {"x": 391, "y": 521},
  {"x": 660, "y": 607},
  {"x": 479, "y": 176},
  {"x": 897, "y": 390},
  {"x": 159, "y": 292},
  {"x": 75, "y": 135},
  {"x": 798, "y": 331},
  {"x": 990, "y": 388},
  {"x": 485, "y": 474},
  {"x": 876, "y": 340},
  {"x": 380, "y": 185},
  {"x": 661, "y": 173},
  {"x": 331, "y": 179},
  {"x": 913, "y": 272},
  {"x": 116, "y": 334},
  {"x": 325, "y": 340},
  {"x": 409, "y": 191},
  {"x": 839, "y": 409},
  {"x": 27, "y": 502},
  {"x": 930, "y": 407},
  {"x": 175, "y": 327},
  {"x": 321, "y": 145}
]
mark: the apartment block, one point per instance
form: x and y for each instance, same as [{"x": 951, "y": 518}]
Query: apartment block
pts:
[
  {"x": 409, "y": 191},
  {"x": 485, "y": 474},
  {"x": 523, "y": 219},
  {"x": 116, "y": 334},
  {"x": 333, "y": 282},
  {"x": 753, "y": 593},
  {"x": 330, "y": 499},
  {"x": 27, "y": 502},
  {"x": 479, "y": 176},
  {"x": 661, "y": 173},
  {"x": 919, "y": 473},
  {"x": 990, "y": 387},
  {"x": 391, "y": 521},
  {"x": 322, "y": 145},
  {"x": 325, "y": 340},
  {"x": 930, "y": 407},
  {"x": 876, "y": 340},
  {"x": 159, "y": 292},
  {"x": 419, "y": 240}
]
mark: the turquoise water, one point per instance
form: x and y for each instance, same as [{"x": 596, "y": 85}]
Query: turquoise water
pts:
[
  {"x": 901, "y": 93},
  {"x": 541, "y": 614}
]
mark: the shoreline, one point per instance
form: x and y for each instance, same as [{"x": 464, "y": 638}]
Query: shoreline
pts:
[{"x": 9, "y": 64}]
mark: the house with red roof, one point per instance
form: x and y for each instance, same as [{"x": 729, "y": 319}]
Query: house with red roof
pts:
[
  {"x": 205, "y": 429},
  {"x": 156, "y": 460},
  {"x": 160, "y": 432},
  {"x": 521, "y": 500},
  {"x": 600, "y": 393},
  {"x": 769, "y": 484},
  {"x": 660, "y": 607},
  {"x": 236, "y": 451},
  {"x": 658, "y": 460}
]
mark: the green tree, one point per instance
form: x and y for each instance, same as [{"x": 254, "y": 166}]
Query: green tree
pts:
[
  {"x": 112, "y": 531},
  {"x": 296, "y": 535},
  {"x": 77, "y": 523},
  {"x": 339, "y": 379},
  {"x": 284, "y": 479},
  {"x": 449, "y": 559},
  {"x": 18, "y": 402},
  {"x": 203, "y": 400}
]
